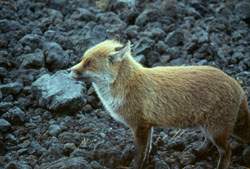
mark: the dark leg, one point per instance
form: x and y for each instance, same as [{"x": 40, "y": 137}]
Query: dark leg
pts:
[
  {"x": 220, "y": 140},
  {"x": 204, "y": 148},
  {"x": 142, "y": 135}
]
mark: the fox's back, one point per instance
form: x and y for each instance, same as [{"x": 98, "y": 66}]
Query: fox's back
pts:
[{"x": 187, "y": 93}]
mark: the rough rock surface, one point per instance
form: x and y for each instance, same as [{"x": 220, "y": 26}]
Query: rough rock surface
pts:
[
  {"x": 38, "y": 38},
  {"x": 59, "y": 92}
]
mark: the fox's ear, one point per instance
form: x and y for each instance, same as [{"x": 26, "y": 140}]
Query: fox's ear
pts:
[{"x": 120, "y": 53}]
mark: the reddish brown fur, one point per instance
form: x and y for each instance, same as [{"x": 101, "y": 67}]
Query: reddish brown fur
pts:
[{"x": 178, "y": 96}]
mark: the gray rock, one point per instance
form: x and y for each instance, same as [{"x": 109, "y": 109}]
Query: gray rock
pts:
[
  {"x": 140, "y": 58},
  {"x": 15, "y": 116},
  {"x": 55, "y": 56},
  {"x": 242, "y": 9},
  {"x": 32, "y": 60},
  {"x": 132, "y": 31},
  {"x": 32, "y": 40},
  {"x": 160, "y": 164},
  {"x": 10, "y": 138},
  {"x": 146, "y": 16},
  {"x": 54, "y": 130},
  {"x": 200, "y": 35},
  {"x": 37, "y": 149},
  {"x": 67, "y": 163},
  {"x": 79, "y": 152},
  {"x": 59, "y": 92},
  {"x": 143, "y": 46},
  {"x": 9, "y": 25},
  {"x": 69, "y": 137},
  {"x": 11, "y": 88},
  {"x": 174, "y": 38},
  {"x": 17, "y": 165},
  {"x": 5, "y": 106},
  {"x": 83, "y": 14},
  {"x": 169, "y": 8},
  {"x": 3, "y": 72},
  {"x": 4, "y": 125},
  {"x": 56, "y": 150},
  {"x": 69, "y": 148}
]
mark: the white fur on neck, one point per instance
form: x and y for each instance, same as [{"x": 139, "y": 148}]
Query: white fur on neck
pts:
[{"x": 110, "y": 102}]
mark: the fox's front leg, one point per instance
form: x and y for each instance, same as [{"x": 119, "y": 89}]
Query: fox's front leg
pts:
[{"x": 142, "y": 139}]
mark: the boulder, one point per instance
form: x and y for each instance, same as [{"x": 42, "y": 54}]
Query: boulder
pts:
[{"x": 59, "y": 92}]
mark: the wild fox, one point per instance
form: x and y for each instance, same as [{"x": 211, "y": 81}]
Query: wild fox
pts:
[{"x": 174, "y": 96}]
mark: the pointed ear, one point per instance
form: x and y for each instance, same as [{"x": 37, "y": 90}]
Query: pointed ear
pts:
[{"x": 120, "y": 53}]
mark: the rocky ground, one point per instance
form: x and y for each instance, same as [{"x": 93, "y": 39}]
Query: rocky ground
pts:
[{"x": 49, "y": 120}]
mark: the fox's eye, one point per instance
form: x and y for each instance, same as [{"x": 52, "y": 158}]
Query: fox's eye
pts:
[
  {"x": 88, "y": 63},
  {"x": 110, "y": 60}
]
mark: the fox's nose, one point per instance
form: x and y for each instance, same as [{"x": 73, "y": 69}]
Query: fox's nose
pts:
[{"x": 68, "y": 70}]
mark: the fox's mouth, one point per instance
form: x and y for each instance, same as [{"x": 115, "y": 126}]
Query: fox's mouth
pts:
[{"x": 80, "y": 77}]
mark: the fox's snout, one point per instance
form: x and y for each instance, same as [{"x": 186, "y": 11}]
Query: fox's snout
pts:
[{"x": 75, "y": 69}]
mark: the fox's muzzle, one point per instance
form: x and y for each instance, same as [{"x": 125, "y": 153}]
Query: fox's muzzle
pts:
[{"x": 78, "y": 75}]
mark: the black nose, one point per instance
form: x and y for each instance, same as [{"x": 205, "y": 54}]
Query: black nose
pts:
[{"x": 68, "y": 70}]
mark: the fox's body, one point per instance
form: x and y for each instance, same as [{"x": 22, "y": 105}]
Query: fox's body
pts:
[{"x": 179, "y": 96}]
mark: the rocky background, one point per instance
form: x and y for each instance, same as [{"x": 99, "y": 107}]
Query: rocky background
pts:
[{"x": 49, "y": 120}]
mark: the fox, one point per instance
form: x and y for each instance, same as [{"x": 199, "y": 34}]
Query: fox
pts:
[{"x": 143, "y": 98}]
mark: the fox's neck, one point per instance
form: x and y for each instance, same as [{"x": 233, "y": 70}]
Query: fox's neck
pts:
[
  {"x": 126, "y": 73},
  {"x": 113, "y": 94}
]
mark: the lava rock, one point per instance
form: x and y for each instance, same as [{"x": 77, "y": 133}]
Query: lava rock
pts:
[
  {"x": 169, "y": 8},
  {"x": 9, "y": 25},
  {"x": 59, "y": 92},
  {"x": 174, "y": 38},
  {"x": 242, "y": 9},
  {"x": 4, "y": 125},
  {"x": 148, "y": 15},
  {"x": 67, "y": 163},
  {"x": 17, "y": 165},
  {"x": 32, "y": 60},
  {"x": 69, "y": 148},
  {"x": 54, "y": 130},
  {"x": 55, "y": 56},
  {"x": 160, "y": 164},
  {"x": 3, "y": 72},
  {"x": 32, "y": 41},
  {"x": 69, "y": 137},
  {"x": 11, "y": 88},
  {"x": 15, "y": 116},
  {"x": 143, "y": 46},
  {"x": 5, "y": 106},
  {"x": 83, "y": 14}
]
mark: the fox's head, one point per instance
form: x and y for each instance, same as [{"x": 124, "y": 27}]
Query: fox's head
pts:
[{"x": 102, "y": 62}]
